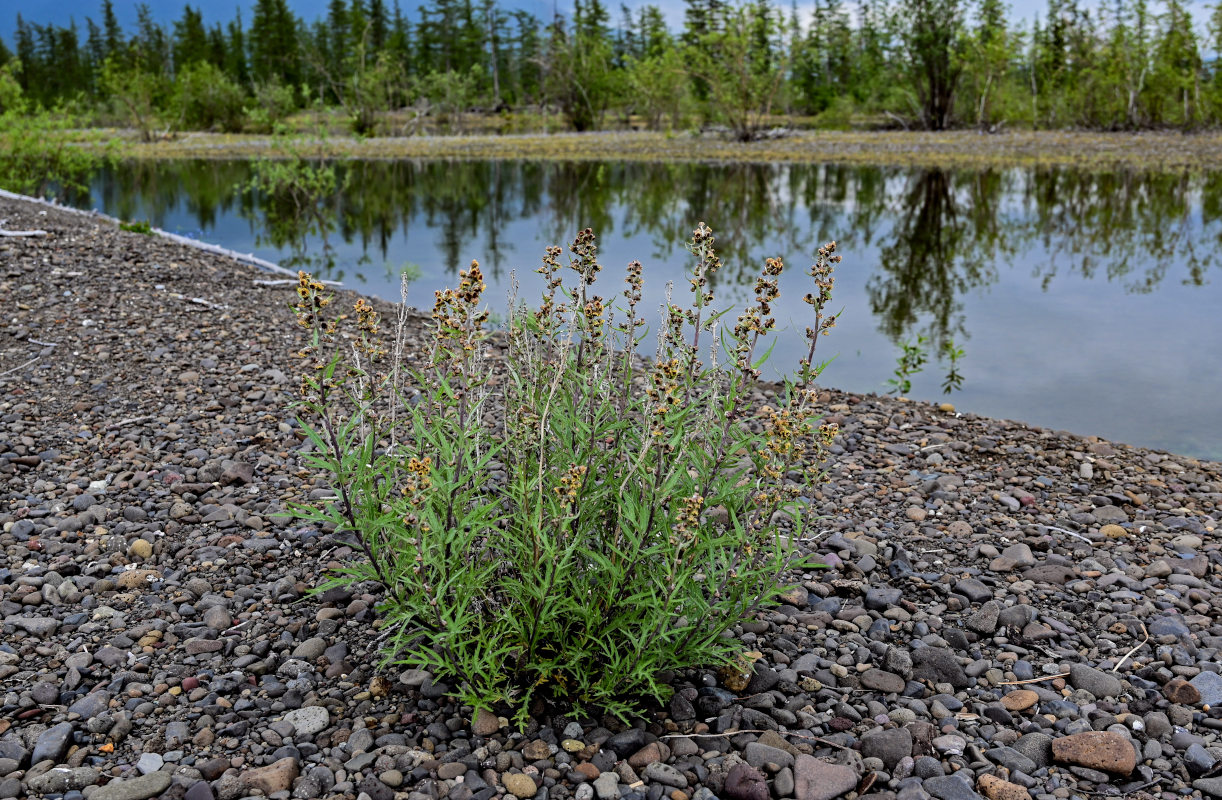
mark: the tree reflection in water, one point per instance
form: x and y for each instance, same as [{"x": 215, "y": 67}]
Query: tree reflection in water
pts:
[{"x": 939, "y": 234}]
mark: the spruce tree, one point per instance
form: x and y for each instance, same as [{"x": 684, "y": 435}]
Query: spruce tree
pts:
[{"x": 190, "y": 39}]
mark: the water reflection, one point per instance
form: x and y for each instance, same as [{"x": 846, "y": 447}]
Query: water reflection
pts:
[{"x": 947, "y": 255}]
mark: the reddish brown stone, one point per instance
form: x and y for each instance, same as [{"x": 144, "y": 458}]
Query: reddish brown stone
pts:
[
  {"x": 1181, "y": 692},
  {"x": 1019, "y": 700},
  {"x": 1101, "y": 750},
  {"x": 485, "y": 723},
  {"x": 995, "y": 788},
  {"x": 589, "y": 770},
  {"x": 650, "y": 753}
]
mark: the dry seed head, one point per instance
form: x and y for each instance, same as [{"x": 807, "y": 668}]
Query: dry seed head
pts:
[{"x": 687, "y": 520}]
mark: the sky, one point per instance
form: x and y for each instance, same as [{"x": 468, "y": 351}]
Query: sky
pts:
[{"x": 166, "y": 11}]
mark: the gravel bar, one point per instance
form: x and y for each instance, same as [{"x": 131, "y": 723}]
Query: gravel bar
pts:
[{"x": 1010, "y": 612}]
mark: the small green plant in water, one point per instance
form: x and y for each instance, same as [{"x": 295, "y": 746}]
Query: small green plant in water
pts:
[
  {"x": 912, "y": 359},
  {"x": 549, "y": 516},
  {"x": 296, "y": 183},
  {"x": 914, "y": 356},
  {"x": 137, "y": 226},
  {"x": 954, "y": 378},
  {"x": 409, "y": 271}
]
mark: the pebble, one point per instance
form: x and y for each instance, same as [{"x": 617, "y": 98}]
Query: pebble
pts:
[
  {"x": 950, "y": 787},
  {"x": 606, "y": 786},
  {"x": 995, "y": 788},
  {"x": 519, "y": 785},
  {"x": 275, "y": 777},
  {"x": 52, "y": 744},
  {"x": 1209, "y": 687},
  {"x": 1019, "y": 700},
  {"x": 485, "y": 723},
  {"x": 1098, "y": 683},
  {"x": 309, "y": 720},
  {"x": 888, "y": 745},
  {"x": 139, "y": 788},
  {"x": 149, "y": 762},
  {"x": 744, "y": 782},
  {"x": 815, "y": 779},
  {"x": 1101, "y": 750},
  {"x": 665, "y": 774}
]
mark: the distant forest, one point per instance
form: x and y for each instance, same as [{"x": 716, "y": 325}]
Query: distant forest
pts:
[{"x": 928, "y": 64}]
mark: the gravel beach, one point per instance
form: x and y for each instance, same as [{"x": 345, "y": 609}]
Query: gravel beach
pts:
[{"x": 1010, "y": 612}]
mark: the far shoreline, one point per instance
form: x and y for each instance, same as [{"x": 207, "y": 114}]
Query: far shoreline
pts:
[{"x": 962, "y": 149}]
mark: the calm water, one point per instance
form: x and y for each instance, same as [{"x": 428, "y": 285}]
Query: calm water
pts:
[{"x": 1084, "y": 301}]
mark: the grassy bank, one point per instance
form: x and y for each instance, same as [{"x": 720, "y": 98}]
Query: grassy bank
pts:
[{"x": 949, "y": 149}]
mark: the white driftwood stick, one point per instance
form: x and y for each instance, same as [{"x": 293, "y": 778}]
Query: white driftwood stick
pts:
[
  {"x": 215, "y": 249},
  {"x": 20, "y": 234},
  {"x": 1145, "y": 638},
  {"x": 19, "y": 367},
  {"x": 199, "y": 301},
  {"x": 291, "y": 282},
  {"x": 243, "y": 258}
]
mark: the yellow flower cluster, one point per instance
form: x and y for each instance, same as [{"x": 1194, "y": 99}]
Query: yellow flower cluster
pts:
[
  {"x": 687, "y": 521},
  {"x": 633, "y": 293},
  {"x": 595, "y": 317},
  {"x": 550, "y": 271},
  {"x": 311, "y": 300},
  {"x": 707, "y": 263},
  {"x": 586, "y": 251},
  {"x": 570, "y": 484},
  {"x": 418, "y": 481},
  {"x": 367, "y": 323},
  {"x": 366, "y": 317},
  {"x": 665, "y": 392},
  {"x": 455, "y": 311}
]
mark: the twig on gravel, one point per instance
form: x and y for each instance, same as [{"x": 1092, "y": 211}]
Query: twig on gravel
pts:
[
  {"x": 1071, "y": 533},
  {"x": 15, "y": 234},
  {"x": 199, "y": 301},
  {"x": 1134, "y": 790},
  {"x": 291, "y": 282},
  {"x": 43, "y": 344},
  {"x": 123, "y": 423},
  {"x": 819, "y": 739},
  {"x": 1137, "y": 647},
  {"x": 1034, "y": 680},
  {"x": 19, "y": 367}
]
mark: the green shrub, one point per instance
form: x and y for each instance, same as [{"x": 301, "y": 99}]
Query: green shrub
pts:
[
  {"x": 137, "y": 226},
  {"x": 206, "y": 98},
  {"x": 272, "y": 104},
  {"x": 141, "y": 91},
  {"x": 42, "y": 152},
  {"x": 564, "y": 521}
]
